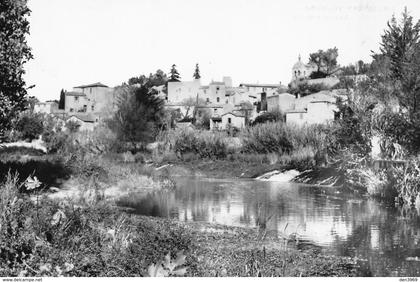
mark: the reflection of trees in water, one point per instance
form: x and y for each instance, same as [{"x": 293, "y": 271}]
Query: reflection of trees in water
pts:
[
  {"x": 382, "y": 237},
  {"x": 199, "y": 198},
  {"x": 159, "y": 203}
]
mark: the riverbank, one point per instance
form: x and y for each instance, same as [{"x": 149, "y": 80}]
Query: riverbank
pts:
[{"x": 219, "y": 168}]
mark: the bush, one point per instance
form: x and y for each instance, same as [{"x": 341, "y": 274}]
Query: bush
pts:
[
  {"x": 72, "y": 126},
  {"x": 282, "y": 138},
  {"x": 268, "y": 116},
  {"x": 29, "y": 125},
  {"x": 44, "y": 238},
  {"x": 204, "y": 143}
]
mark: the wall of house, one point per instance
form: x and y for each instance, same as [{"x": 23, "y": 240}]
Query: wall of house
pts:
[
  {"x": 296, "y": 118},
  {"x": 217, "y": 93},
  {"x": 84, "y": 126},
  {"x": 328, "y": 81},
  {"x": 281, "y": 102},
  {"x": 99, "y": 98},
  {"x": 179, "y": 91},
  {"x": 320, "y": 112},
  {"x": 45, "y": 108},
  {"x": 235, "y": 121},
  {"x": 75, "y": 103}
]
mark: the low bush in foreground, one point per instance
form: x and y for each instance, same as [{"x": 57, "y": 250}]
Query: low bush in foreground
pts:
[{"x": 50, "y": 239}]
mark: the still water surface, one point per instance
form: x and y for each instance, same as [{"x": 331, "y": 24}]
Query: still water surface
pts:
[{"x": 386, "y": 239}]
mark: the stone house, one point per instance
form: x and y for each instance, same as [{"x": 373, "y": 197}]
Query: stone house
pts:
[
  {"x": 313, "y": 109},
  {"x": 179, "y": 91},
  {"x": 87, "y": 121},
  {"x": 92, "y": 98},
  {"x": 280, "y": 102},
  {"x": 47, "y": 107},
  {"x": 233, "y": 119}
]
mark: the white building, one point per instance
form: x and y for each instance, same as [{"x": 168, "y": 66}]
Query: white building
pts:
[
  {"x": 48, "y": 107},
  {"x": 179, "y": 91},
  {"x": 92, "y": 98},
  {"x": 313, "y": 109},
  {"x": 87, "y": 122}
]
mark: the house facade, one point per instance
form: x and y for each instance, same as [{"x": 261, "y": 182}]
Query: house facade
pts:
[
  {"x": 93, "y": 98},
  {"x": 87, "y": 122},
  {"x": 280, "y": 102},
  {"x": 179, "y": 91},
  {"x": 313, "y": 109},
  {"x": 48, "y": 107}
]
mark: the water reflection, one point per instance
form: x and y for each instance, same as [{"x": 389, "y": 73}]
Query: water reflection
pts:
[{"x": 341, "y": 223}]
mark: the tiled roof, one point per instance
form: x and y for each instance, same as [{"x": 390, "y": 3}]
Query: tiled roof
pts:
[
  {"x": 97, "y": 84},
  {"x": 235, "y": 113},
  {"x": 72, "y": 93},
  {"x": 83, "y": 117}
]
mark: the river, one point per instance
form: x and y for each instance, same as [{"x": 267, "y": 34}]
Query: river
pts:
[{"x": 385, "y": 239}]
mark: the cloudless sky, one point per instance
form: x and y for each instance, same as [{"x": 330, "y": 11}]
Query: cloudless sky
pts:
[{"x": 85, "y": 41}]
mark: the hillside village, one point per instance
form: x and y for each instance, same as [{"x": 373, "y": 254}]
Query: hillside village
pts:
[{"x": 226, "y": 105}]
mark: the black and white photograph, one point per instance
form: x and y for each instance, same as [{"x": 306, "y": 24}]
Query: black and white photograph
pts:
[{"x": 209, "y": 138}]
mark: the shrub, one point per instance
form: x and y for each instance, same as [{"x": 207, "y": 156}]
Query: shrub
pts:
[
  {"x": 72, "y": 126},
  {"x": 29, "y": 125},
  {"x": 407, "y": 182},
  {"x": 204, "y": 143},
  {"x": 269, "y": 116},
  {"x": 282, "y": 138}
]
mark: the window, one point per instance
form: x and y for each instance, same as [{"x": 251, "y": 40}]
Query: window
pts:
[
  {"x": 207, "y": 100},
  {"x": 76, "y": 98},
  {"x": 71, "y": 110},
  {"x": 85, "y": 108},
  {"x": 229, "y": 120},
  {"x": 215, "y": 111},
  {"x": 90, "y": 90},
  {"x": 299, "y": 73},
  {"x": 93, "y": 108},
  {"x": 218, "y": 99},
  {"x": 217, "y": 88},
  {"x": 227, "y": 101}
]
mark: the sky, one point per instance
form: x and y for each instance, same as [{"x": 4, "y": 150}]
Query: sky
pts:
[{"x": 77, "y": 42}]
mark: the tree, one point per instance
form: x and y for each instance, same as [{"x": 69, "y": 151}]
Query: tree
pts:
[
  {"x": 29, "y": 125},
  {"x": 61, "y": 104},
  {"x": 157, "y": 79},
  {"x": 139, "y": 114},
  {"x": 399, "y": 42},
  {"x": 174, "y": 75},
  {"x": 190, "y": 105},
  {"x": 196, "y": 74},
  {"x": 31, "y": 101},
  {"x": 325, "y": 62},
  {"x": 14, "y": 53},
  {"x": 72, "y": 126},
  {"x": 276, "y": 116}
]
